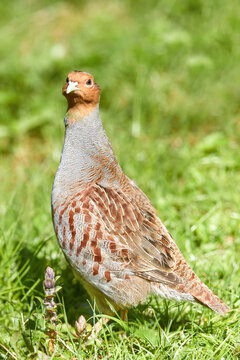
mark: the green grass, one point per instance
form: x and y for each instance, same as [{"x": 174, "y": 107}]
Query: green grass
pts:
[{"x": 169, "y": 72}]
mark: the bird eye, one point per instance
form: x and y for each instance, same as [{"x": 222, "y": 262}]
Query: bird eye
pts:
[
  {"x": 89, "y": 82},
  {"x": 67, "y": 80}
]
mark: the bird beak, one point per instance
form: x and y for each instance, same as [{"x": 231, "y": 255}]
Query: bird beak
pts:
[{"x": 72, "y": 86}]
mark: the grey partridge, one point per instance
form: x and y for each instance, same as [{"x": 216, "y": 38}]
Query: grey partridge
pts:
[{"x": 108, "y": 229}]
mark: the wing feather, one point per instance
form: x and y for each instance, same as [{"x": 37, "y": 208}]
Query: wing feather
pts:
[{"x": 131, "y": 218}]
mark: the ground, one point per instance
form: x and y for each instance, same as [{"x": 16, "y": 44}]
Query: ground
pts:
[{"x": 169, "y": 73}]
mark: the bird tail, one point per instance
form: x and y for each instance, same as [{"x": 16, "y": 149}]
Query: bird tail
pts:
[
  {"x": 194, "y": 290},
  {"x": 192, "y": 285},
  {"x": 206, "y": 297}
]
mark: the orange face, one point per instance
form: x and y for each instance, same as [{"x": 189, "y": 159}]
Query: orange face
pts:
[{"x": 81, "y": 88}]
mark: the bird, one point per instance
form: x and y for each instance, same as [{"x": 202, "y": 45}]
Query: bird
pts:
[{"x": 108, "y": 229}]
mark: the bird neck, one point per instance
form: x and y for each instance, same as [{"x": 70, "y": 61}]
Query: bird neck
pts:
[
  {"x": 87, "y": 156},
  {"x": 79, "y": 109}
]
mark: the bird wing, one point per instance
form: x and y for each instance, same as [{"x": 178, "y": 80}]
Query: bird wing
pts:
[{"x": 145, "y": 244}]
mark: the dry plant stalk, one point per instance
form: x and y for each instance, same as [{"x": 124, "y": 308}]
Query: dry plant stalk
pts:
[{"x": 50, "y": 306}]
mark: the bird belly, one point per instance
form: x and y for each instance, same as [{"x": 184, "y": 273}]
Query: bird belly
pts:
[{"x": 85, "y": 245}]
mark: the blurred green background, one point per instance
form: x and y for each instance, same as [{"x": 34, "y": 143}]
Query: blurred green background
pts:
[{"x": 170, "y": 78}]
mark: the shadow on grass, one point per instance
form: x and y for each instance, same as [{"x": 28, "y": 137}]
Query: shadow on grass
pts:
[
  {"x": 170, "y": 316},
  {"x": 75, "y": 297}
]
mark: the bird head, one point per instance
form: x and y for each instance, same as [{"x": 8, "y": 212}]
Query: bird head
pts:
[{"x": 81, "y": 92}]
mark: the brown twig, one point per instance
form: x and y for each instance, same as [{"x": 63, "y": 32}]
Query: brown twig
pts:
[{"x": 8, "y": 351}]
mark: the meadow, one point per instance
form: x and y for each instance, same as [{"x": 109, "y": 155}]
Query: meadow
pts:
[{"x": 170, "y": 78}]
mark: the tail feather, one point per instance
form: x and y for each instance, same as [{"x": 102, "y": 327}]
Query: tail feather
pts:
[
  {"x": 191, "y": 291},
  {"x": 206, "y": 297},
  {"x": 203, "y": 294},
  {"x": 192, "y": 285}
]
